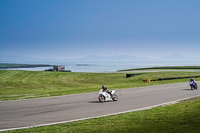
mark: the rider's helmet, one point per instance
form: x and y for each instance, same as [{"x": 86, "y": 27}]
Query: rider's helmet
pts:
[{"x": 103, "y": 87}]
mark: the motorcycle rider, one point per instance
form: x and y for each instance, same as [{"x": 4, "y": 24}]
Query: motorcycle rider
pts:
[
  {"x": 192, "y": 80},
  {"x": 106, "y": 90}
]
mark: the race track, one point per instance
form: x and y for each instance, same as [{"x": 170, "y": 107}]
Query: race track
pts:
[{"x": 51, "y": 110}]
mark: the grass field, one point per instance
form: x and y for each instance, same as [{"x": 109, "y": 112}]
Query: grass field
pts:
[
  {"x": 11, "y": 65},
  {"x": 183, "y": 117},
  {"x": 167, "y": 68},
  {"x": 33, "y": 84},
  {"x": 8, "y": 65}
]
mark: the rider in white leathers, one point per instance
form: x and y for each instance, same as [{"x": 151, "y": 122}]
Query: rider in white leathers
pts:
[{"x": 106, "y": 90}]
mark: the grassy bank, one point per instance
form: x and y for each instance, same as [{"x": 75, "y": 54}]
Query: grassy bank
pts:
[
  {"x": 11, "y": 65},
  {"x": 33, "y": 84},
  {"x": 183, "y": 117},
  {"x": 7, "y": 65},
  {"x": 166, "y": 68}
]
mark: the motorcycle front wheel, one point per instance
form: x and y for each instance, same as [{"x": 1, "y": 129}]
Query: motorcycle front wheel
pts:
[
  {"x": 101, "y": 99},
  {"x": 115, "y": 97},
  {"x": 192, "y": 87}
]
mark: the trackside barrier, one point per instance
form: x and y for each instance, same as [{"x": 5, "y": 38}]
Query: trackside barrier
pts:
[
  {"x": 160, "y": 79},
  {"x": 131, "y": 75}
]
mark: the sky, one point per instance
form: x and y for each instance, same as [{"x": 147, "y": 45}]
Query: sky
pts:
[{"x": 68, "y": 29}]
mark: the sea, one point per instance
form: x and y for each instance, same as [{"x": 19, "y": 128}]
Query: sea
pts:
[{"x": 98, "y": 67}]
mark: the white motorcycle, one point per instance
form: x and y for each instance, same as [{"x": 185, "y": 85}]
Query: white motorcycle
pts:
[{"x": 104, "y": 96}]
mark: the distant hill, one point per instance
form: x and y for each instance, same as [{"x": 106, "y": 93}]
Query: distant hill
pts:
[
  {"x": 16, "y": 59},
  {"x": 96, "y": 58},
  {"x": 176, "y": 57},
  {"x": 113, "y": 58}
]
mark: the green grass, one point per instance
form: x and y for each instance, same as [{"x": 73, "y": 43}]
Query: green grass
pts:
[
  {"x": 183, "y": 117},
  {"x": 33, "y": 84},
  {"x": 167, "y": 68},
  {"x": 10, "y": 65}
]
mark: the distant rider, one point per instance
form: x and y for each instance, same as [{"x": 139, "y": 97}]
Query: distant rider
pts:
[
  {"x": 106, "y": 90},
  {"x": 192, "y": 80}
]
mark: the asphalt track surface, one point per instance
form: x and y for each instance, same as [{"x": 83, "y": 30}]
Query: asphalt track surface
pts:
[{"x": 60, "y": 109}]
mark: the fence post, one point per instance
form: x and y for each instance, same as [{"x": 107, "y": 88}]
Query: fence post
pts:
[{"x": 148, "y": 80}]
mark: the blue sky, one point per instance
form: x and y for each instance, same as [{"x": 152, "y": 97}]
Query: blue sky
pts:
[{"x": 67, "y": 29}]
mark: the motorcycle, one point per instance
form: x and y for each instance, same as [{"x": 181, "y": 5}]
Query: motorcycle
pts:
[
  {"x": 104, "y": 96},
  {"x": 193, "y": 85}
]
